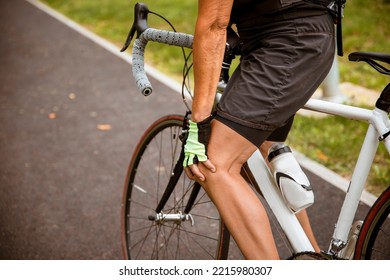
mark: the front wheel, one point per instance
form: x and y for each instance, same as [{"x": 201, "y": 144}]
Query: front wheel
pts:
[
  {"x": 374, "y": 238},
  {"x": 175, "y": 231}
]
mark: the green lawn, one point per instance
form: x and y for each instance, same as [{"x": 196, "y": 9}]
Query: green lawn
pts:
[
  {"x": 366, "y": 26},
  {"x": 331, "y": 141},
  {"x": 335, "y": 142}
]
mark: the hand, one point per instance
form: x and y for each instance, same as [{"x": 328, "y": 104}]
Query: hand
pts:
[{"x": 195, "y": 149}]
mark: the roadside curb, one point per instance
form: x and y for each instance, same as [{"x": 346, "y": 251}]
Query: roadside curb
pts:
[
  {"x": 337, "y": 180},
  {"x": 306, "y": 163}
]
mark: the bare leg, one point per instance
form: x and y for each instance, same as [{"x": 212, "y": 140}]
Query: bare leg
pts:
[
  {"x": 305, "y": 223},
  {"x": 238, "y": 205},
  {"x": 302, "y": 215}
]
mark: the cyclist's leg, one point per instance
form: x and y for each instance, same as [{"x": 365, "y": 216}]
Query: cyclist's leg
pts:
[
  {"x": 305, "y": 223},
  {"x": 270, "y": 85},
  {"x": 238, "y": 205},
  {"x": 302, "y": 215}
]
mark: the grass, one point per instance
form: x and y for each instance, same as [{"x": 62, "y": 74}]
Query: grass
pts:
[
  {"x": 335, "y": 142},
  {"x": 366, "y": 26}
]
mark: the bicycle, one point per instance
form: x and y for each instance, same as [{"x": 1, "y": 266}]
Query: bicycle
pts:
[{"x": 167, "y": 216}]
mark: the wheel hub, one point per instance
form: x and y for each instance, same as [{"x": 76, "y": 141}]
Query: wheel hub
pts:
[{"x": 177, "y": 218}]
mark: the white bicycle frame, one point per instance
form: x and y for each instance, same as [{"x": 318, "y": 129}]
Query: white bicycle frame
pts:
[{"x": 379, "y": 124}]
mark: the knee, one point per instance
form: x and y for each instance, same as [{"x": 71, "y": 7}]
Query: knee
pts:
[{"x": 222, "y": 173}]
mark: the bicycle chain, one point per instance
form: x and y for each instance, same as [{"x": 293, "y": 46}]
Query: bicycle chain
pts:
[{"x": 313, "y": 256}]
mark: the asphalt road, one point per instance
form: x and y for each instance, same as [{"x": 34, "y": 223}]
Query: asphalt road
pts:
[{"x": 69, "y": 120}]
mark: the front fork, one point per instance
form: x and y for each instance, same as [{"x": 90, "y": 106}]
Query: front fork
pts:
[{"x": 159, "y": 216}]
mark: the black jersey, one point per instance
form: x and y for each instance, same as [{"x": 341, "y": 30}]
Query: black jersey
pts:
[{"x": 257, "y": 11}]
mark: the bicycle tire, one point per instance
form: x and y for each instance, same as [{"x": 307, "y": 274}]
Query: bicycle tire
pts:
[
  {"x": 374, "y": 237},
  {"x": 149, "y": 171}
]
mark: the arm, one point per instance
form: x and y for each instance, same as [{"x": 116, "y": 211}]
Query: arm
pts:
[{"x": 208, "y": 50}]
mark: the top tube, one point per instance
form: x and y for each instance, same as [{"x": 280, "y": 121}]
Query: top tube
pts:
[{"x": 330, "y": 108}]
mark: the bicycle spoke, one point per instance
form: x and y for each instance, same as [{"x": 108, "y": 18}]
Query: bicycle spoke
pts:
[
  {"x": 166, "y": 241},
  {"x": 171, "y": 235},
  {"x": 386, "y": 256},
  {"x": 380, "y": 250},
  {"x": 137, "y": 217},
  {"x": 141, "y": 204},
  {"x": 189, "y": 234},
  {"x": 140, "y": 229},
  {"x": 201, "y": 245},
  {"x": 385, "y": 233},
  {"x": 206, "y": 217},
  {"x": 200, "y": 235},
  {"x": 143, "y": 242}
]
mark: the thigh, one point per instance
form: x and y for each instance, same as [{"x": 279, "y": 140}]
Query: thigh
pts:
[
  {"x": 227, "y": 149},
  {"x": 276, "y": 80}
]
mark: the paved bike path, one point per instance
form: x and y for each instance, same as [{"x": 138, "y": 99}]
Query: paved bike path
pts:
[{"x": 69, "y": 120}]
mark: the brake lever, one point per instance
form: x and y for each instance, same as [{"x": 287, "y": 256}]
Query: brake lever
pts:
[
  {"x": 129, "y": 38},
  {"x": 139, "y": 24}
]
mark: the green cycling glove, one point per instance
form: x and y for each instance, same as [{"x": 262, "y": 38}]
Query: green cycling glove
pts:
[{"x": 195, "y": 148}]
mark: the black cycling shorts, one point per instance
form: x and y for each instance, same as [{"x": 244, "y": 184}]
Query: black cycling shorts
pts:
[{"x": 273, "y": 81}]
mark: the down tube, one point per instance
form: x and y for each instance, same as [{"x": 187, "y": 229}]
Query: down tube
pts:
[
  {"x": 284, "y": 215},
  {"x": 356, "y": 187}
]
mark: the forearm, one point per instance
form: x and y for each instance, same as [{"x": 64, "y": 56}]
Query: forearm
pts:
[{"x": 208, "y": 51}]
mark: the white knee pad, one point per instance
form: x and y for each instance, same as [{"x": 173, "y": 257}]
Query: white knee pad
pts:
[{"x": 293, "y": 183}]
